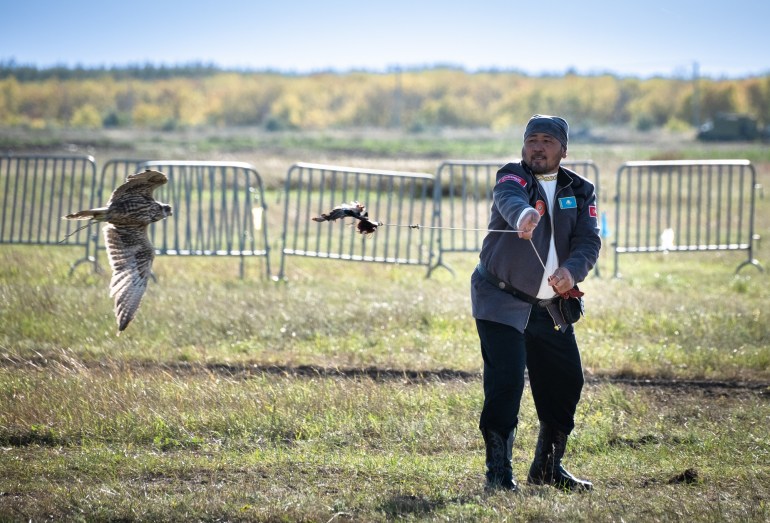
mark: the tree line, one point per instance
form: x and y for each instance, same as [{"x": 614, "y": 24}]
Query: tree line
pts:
[{"x": 200, "y": 95}]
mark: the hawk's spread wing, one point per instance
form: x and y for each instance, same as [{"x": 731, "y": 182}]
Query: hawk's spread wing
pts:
[
  {"x": 140, "y": 184},
  {"x": 131, "y": 254}
]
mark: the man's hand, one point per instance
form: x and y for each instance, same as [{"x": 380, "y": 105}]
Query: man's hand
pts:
[
  {"x": 528, "y": 223},
  {"x": 561, "y": 280}
]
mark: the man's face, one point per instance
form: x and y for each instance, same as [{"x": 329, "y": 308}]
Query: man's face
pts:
[{"x": 543, "y": 153}]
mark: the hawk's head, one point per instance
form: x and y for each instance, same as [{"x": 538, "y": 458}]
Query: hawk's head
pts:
[{"x": 160, "y": 211}]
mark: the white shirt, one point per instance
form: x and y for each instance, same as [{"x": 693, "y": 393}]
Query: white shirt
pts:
[{"x": 548, "y": 185}]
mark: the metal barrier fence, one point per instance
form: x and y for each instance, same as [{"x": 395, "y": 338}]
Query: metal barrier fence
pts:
[
  {"x": 674, "y": 206},
  {"x": 462, "y": 201},
  {"x": 398, "y": 199},
  {"x": 37, "y": 191},
  {"x": 219, "y": 209}
]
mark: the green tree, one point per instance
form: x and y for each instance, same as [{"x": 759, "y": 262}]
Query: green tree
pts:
[
  {"x": 758, "y": 98},
  {"x": 717, "y": 97},
  {"x": 86, "y": 116}
]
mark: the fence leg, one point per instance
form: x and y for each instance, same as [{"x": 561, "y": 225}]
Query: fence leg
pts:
[
  {"x": 753, "y": 262},
  {"x": 439, "y": 263}
]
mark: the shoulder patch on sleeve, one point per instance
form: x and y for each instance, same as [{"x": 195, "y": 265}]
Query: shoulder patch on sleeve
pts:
[{"x": 512, "y": 177}]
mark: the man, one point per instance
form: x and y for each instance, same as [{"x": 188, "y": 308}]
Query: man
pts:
[{"x": 543, "y": 240}]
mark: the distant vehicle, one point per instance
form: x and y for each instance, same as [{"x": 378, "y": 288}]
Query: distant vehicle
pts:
[{"x": 729, "y": 127}]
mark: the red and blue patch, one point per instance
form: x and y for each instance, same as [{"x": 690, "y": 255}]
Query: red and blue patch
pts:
[{"x": 513, "y": 178}]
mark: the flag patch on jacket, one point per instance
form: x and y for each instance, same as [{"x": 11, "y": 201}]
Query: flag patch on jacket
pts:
[
  {"x": 568, "y": 202},
  {"x": 512, "y": 177}
]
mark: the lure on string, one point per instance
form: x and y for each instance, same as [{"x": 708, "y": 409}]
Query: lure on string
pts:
[{"x": 355, "y": 210}]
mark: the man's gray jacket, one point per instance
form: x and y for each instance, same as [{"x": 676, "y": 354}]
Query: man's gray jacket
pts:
[{"x": 513, "y": 260}]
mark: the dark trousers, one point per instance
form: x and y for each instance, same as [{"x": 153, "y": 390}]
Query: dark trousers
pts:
[{"x": 555, "y": 372}]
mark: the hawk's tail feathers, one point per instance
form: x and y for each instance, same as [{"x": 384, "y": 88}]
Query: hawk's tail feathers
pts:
[{"x": 97, "y": 214}]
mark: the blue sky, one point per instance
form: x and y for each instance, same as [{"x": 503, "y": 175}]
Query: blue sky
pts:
[{"x": 637, "y": 38}]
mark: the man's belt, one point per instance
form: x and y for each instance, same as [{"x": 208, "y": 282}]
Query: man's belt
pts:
[{"x": 510, "y": 289}]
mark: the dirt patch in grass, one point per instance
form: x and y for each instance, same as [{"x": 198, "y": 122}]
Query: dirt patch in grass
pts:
[{"x": 407, "y": 376}]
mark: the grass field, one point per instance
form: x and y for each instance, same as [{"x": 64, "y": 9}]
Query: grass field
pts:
[{"x": 351, "y": 392}]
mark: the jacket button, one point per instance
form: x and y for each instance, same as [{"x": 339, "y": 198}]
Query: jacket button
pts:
[{"x": 501, "y": 285}]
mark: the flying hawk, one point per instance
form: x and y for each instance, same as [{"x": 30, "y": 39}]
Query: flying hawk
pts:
[{"x": 129, "y": 211}]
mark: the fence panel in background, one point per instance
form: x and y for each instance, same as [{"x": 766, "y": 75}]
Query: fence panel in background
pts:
[
  {"x": 397, "y": 199},
  {"x": 674, "y": 206},
  {"x": 463, "y": 198},
  {"x": 37, "y": 191},
  {"x": 219, "y": 208}
]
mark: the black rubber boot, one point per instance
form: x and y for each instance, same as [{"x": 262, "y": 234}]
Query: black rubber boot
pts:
[
  {"x": 546, "y": 468},
  {"x": 499, "y": 452}
]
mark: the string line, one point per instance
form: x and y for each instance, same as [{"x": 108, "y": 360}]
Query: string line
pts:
[{"x": 418, "y": 226}]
